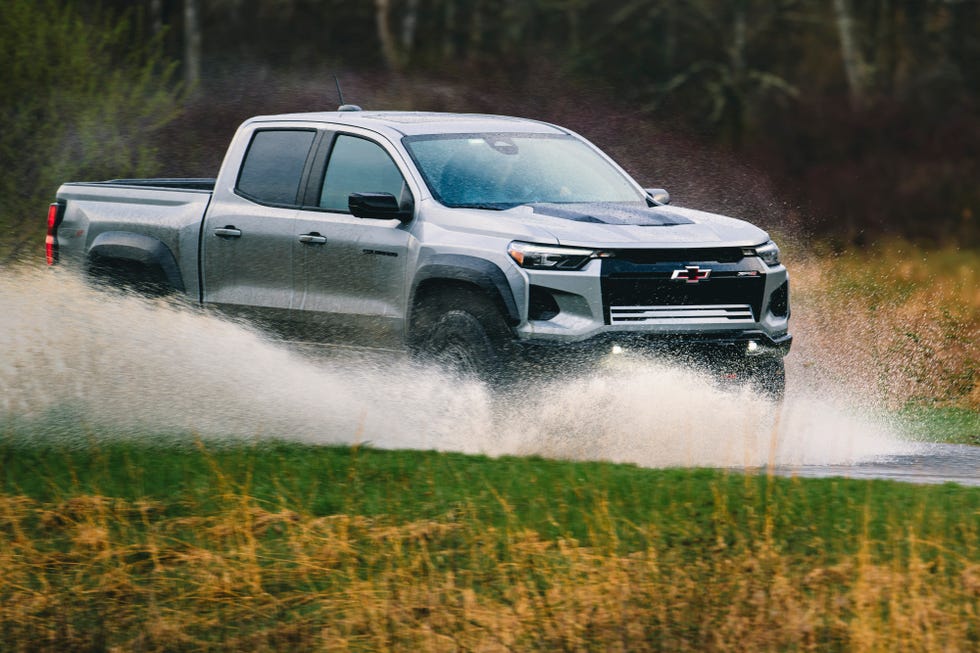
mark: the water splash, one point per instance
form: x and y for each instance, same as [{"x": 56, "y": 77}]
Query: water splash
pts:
[{"x": 122, "y": 364}]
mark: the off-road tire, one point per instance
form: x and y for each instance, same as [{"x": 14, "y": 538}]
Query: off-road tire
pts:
[
  {"x": 464, "y": 333},
  {"x": 129, "y": 277}
]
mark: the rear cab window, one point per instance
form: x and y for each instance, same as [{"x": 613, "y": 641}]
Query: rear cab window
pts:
[{"x": 274, "y": 165}]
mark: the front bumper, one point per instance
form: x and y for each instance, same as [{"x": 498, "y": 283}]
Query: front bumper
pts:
[
  {"x": 639, "y": 304},
  {"x": 716, "y": 348}
]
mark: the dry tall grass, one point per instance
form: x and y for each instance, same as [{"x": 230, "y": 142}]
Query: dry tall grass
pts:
[
  {"x": 898, "y": 320},
  {"x": 95, "y": 573}
]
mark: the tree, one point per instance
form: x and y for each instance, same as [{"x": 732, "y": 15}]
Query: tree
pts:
[
  {"x": 192, "y": 43},
  {"x": 725, "y": 77},
  {"x": 393, "y": 56},
  {"x": 855, "y": 66},
  {"x": 78, "y": 101}
]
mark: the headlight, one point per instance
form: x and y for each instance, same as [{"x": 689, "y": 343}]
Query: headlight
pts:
[
  {"x": 769, "y": 253},
  {"x": 550, "y": 257}
]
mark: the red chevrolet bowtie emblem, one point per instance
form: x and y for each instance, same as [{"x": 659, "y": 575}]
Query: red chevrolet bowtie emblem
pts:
[{"x": 690, "y": 274}]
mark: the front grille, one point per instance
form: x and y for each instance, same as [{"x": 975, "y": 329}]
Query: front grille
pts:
[
  {"x": 711, "y": 314},
  {"x": 646, "y": 294}
]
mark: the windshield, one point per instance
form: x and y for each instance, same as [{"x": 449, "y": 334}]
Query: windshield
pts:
[{"x": 500, "y": 171}]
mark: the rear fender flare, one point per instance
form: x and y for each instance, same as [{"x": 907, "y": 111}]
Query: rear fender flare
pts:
[{"x": 138, "y": 248}]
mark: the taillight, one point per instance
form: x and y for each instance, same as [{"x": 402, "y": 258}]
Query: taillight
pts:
[{"x": 55, "y": 213}]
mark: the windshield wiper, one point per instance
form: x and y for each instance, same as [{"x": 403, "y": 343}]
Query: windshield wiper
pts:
[{"x": 487, "y": 206}]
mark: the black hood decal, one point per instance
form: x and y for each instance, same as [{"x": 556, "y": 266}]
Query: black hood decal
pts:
[{"x": 620, "y": 214}]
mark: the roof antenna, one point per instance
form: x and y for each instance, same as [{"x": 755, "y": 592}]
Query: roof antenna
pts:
[{"x": 340, "y": 94}]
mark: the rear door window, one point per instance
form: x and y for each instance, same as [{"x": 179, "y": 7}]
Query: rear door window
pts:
[
  {"x": 358, "y": 165},
  {"x": 274, "y": 164}
]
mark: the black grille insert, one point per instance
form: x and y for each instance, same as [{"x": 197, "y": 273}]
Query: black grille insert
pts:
[
  {"x": 651, "y": 256},
  {"x": 628, "y": 284}
]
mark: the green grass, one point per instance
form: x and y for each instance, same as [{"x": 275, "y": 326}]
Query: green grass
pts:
[
  {"x": 170, "y": 543},
  {"x": 556, "y": 499},
  {"x": 942, "y": 424}
]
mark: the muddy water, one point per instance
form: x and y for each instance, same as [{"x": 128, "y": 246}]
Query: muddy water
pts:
[{"x": 106, "y": 363}]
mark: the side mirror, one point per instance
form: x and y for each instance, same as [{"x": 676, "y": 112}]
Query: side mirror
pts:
[
  {"x": 659, "y": 196},
  {"x": 378, "y": 206}
]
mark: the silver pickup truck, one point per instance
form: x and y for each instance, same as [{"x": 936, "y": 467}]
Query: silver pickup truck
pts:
[{"x": 496, "y": 245}]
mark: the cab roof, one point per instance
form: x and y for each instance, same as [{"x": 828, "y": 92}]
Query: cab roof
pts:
[{"x": 413, "y": 123}]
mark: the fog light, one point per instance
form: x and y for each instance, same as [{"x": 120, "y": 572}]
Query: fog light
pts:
[
  {"x": 752, "y": 347},
  {"x": 616, "y": 349}
]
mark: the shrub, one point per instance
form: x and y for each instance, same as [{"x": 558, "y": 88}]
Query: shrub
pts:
[{"x": 79, "y": 101}]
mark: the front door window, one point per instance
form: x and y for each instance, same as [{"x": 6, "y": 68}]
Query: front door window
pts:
[{"x": 358, "y": 166}]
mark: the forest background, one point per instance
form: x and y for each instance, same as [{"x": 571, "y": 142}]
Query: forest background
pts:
[{"x": 841, "y": 121}]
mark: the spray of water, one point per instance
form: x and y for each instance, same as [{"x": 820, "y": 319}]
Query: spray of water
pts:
[{"x": 124, "y": 364}]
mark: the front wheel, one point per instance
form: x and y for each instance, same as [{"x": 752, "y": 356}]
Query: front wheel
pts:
[{"x": 466, "y": 335}]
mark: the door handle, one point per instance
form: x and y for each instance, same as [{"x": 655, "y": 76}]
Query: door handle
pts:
[
  {"x": 313, "y": 238},
  {"x": 228, "y": 231}
]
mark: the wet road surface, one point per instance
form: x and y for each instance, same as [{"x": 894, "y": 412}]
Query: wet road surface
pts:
[{"x": 931, "y": 463}]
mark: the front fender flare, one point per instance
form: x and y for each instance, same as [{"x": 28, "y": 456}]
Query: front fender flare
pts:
[{"x": 470, "y": 269}]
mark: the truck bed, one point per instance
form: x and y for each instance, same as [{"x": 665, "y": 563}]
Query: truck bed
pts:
[
  {"x": 175, "y": 183},
  {"x": 114, "y": 212}
]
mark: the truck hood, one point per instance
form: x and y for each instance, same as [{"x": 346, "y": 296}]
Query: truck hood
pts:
[{"x": 610, "y": 225}]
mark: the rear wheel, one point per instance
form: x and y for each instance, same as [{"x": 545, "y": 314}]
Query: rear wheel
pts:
[{"x": 129, "y": 276}]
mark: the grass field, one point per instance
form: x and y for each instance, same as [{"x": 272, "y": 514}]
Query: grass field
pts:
[
  {"x": 129, "y": 545},
  {"x": 941, "y": 424},
  {"x": 112, "y": 541}
]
